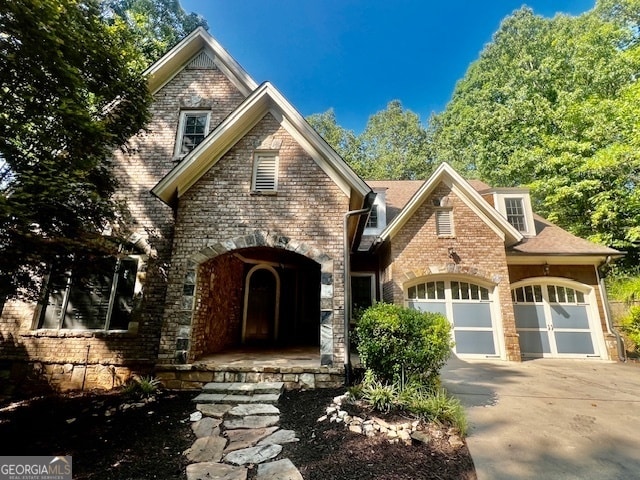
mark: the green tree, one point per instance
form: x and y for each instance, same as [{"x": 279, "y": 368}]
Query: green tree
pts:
[
  {"x": 552, "y": 103},
  {"x": 67, "y": 100},
  {"x": 343, "y": 141},
  {"x": 153, "y": 26}
]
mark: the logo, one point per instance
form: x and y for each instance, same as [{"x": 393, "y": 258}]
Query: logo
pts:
[{"x": 35, "y": 468}]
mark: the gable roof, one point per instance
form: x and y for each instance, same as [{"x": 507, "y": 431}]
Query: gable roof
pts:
[
  {"x": 465, "y": 191},
  {"x": 264, "y": 99},
  {"x": 172, "y": 62}
]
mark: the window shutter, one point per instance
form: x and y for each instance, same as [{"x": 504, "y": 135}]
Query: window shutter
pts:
[
  {"x": 444, "y": 222},
  {"x": 265, "y": 173}
]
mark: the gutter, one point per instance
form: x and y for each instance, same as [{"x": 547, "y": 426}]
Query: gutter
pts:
[
  {"x": 347, "y": 290},
  {"x": 622, "y": 356}
]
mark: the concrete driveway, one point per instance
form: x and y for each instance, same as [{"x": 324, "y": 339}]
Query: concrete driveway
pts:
[{"x": 550, "y": 419}]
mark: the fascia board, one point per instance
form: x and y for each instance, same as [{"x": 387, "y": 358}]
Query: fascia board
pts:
[{"x": 556, "y": 259}]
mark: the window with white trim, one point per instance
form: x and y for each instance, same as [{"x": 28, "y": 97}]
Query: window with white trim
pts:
[
  {"x": 192, "y": 129},
  {"x": 372, "y": 221},
  {"x": 514, "y": 207},
  {"x": 100, "y": 300},
  {"x": 444, "y": 222},
  {"x": 265, "y": 172},
  {"x": 377, "y": 220}
]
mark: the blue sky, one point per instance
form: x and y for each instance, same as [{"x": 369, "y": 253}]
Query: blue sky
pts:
[{"x": 357, "y": 55}]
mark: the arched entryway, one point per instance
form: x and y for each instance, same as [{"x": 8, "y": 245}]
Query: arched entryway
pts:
[{"x": 261, "y": 310}]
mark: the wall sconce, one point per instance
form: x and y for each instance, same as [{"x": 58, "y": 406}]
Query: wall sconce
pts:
[
  {"x": 545, "y": 269},
  {"x": 452, "y": 252}
]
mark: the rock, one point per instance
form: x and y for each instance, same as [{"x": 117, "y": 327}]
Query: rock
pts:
[
  {"x": 207, "y": 427},
  {"x": 253, "y": 455},
  {"x": 195, "y": 416},
  {"x": 254, "y": 409},
  {"x": 70, "y": 420},
  {"x": 404, "y": 435},
  {"x": 280, "y": 437},
  {"x": 455, "y": 441},
  {"x": 381, "y": 422},
  {"x": 421, "y": 436},
  {"x": 245, "y": 438},
  {"x": 215, "y": 410},
  {"x": 355, "y": 428},
  {"x": 392, "y": 434},
  {"x": 279, "y": 470},
  {"x": 215, "y": 471},
  {"x": 206, "y": 449},
  {"x": 339, "y": 399},
  {"x": 322, "y": 418},
  {"x": 252, "y": 421},
  {"x": 330, "y": 410}
]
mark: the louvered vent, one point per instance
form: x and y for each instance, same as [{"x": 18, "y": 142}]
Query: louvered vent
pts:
[
  {"x": 202, "y": 62},
  {"x": 444, "y": 222},
  {"x": 265, "y": 175}
]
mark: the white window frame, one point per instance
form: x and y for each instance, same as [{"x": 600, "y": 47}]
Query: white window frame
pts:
[
  {"x": 257, "y": 158},
  {"x": 178, "y": 154},
  {"x": 523, "y": 195},
  {"x": 381, "y": 205}
]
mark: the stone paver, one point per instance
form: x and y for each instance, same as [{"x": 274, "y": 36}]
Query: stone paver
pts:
[
  {"x": 253, "y": 455},
  {"x": 279, "y": 470},
  {"x": 206, "y": 449},
  {"x": 251, "y": 421},
  {"x": 254, "y": 409},
  {"x": 245, "y": 438},
  {"x": 215, "y": 410},
  {"x": 209, "y": 397},
  {"x": 280, "y": 437},
  {"x": 207, "y": 427},
  {"x": 215, "y": 471}
]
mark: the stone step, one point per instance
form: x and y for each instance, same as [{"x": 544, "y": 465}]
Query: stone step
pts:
[
  {"x": 232, "y": 399},
  {"x": 237, "y": 388}
]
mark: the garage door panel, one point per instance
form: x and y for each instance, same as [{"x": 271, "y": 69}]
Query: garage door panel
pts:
[
  {"x": 570, "y": 316},
  {"x": 474, "y": 342},
  {"x": 473, "y": 315},
  {"x": 433, "y": 307},
  {"x": 574, "y": 343},
  {"x": 536, "y": 343},
  {"x": 529, "y": 316}
]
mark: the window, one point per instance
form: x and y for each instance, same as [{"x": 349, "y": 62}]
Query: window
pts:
[
  {"x": 362, "y": 292},
  {"x": 427, "y": 291},
  {"x": 444, "y": 222},
  {"x": 192, "y": 129},
  {"x": 100, "y": 300},
  {"x": 515, "y": 213},
  {"x": 468, "y": 291},
  {"x": 372, "y": 221},
  {"x": 265, "y": 172}
]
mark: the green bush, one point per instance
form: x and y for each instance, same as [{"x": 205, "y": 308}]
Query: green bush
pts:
[
  {"x": 382, "y": 397},
  {"x": 436, "y": 407},
  {"x": 399, "y": 344},
  {"x": 141, "y": 387},
  {"x": 631, "y": 325}
]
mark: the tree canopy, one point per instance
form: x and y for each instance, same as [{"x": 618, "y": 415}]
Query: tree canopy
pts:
[
  {"x": 68, "y": 98},
  {"x": 552, "y": 104}
]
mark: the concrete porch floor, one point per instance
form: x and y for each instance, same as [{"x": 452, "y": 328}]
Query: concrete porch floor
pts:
[{"x": 259, "y": 357}]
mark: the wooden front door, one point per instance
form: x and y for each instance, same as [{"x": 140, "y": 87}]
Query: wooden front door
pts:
[{"x": 261, "y": 306}]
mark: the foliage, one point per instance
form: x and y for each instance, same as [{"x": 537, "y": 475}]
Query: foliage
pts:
[
  {"x": 624, "y": 289},
  {"x": 396, "y": 342},
  {"x": 382, "y": 397},
  {"x": 631, "y": 325},
  {"x": 141, "y": 387},
  {"x": 393, "y": 146},
  {"x": 436, "y": 406},
  {"x": 552, "y": 104},
  {"x": 67, "y": 99},
  {"x": 153, "y": 26}
]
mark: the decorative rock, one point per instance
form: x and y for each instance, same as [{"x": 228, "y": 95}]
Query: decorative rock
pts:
[
  {"x": 252, "y": 421},
  {"x": 455, "y": 441},
  {"x": 245, "y": 438},
  {"x": 253, "y": 455},
  {"x": 280, "y": 437},
  {"x": 322, "y": 418},
  {"x": 330, "y": 410},
  {"x": 206, "y": 449},
  {"x": 207, "y": 427},
  {"x": 217, "y": 471},
  {"x": 404, "y": 435},
  {"x": 195, "y": 416},
  {"x": 355, "y": 428},
  {"x": 278, "y": 470},
  {"x": 216, "y": 410},
  {"x": 254, "y": 409},
  {"x": 421, "y": 436}
]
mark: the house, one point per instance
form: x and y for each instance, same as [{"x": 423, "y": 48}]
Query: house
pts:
[{"x": 245, "y": 224}]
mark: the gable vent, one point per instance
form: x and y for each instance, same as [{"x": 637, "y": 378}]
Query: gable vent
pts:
[
  {"x": 202, "y": 62},
  {"x": 265, "y": 173},
  {"x": 444, "y": 222}
]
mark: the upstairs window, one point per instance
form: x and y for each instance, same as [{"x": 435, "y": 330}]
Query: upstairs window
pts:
[
  {"x": 444, "y": 222},
  {"x": 265, "y": 173},
  {"x": 372, "y": 221},
  {"x": 192, "y": 129},
  {"x": 514, "y": 208}
]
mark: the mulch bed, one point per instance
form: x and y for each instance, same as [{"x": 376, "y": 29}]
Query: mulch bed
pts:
[{"x": 147, "y": 442}]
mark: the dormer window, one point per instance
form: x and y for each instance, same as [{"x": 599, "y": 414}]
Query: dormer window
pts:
[
  {"x": 192, "y": 129},
  {"x": 372, "y": 221},
  {"x": 265, "y": 173},
  {"x": 515, "y": 213},
  {"x": 515, "y": 205},
  {"x": 377, "y": 220}
]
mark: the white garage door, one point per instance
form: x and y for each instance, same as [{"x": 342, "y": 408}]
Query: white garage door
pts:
[
  {"x": 467, "y": 306},
  {"x": 554, "y": 321}
]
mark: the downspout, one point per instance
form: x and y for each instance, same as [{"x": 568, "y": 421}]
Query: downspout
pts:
[
  {"x": 622, "y": 355},
  {"x": 347, "y": 291}
]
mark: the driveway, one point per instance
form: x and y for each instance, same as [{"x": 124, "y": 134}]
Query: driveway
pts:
[{"x": 550, "y": 419}]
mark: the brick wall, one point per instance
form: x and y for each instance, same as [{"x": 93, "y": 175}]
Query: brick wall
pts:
[{"x": 417, "y": 251}]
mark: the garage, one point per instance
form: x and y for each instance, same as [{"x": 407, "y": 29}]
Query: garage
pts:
[
  {"x": 556, "y": 319},
  {"x": 468, "y": 306}
]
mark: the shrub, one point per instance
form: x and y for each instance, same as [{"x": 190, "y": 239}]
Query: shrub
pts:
[
  {"x": 141, "y": 387},
  {"x": 631, "y": 325},
  {"x": 381, "y": 397},
  {"x": 436, "y": 407},
  {"x": 398, "y": 343}
]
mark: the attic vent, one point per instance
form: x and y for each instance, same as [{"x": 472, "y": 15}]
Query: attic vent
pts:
[
  {"x": 265, "y": 173},
  {"x": 444, "y": 222},
  {"x": 202, "y": 62}
]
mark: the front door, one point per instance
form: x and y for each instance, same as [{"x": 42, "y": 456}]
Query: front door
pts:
[{"x": 261, "y": 306}]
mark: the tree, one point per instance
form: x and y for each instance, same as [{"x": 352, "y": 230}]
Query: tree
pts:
[
  {"x": 552, "y": 103},
  {"x": 153, "y": 26},
  {"x": 343, "y": 141},
  {"x": 67, "y": 99}
]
